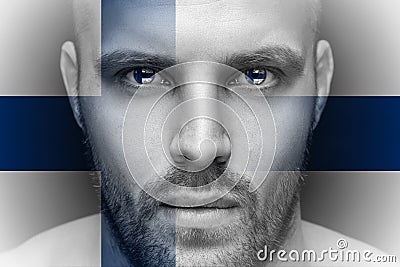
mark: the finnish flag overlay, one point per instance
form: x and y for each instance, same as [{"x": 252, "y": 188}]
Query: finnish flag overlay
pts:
[{"x": 69, "y": 145}]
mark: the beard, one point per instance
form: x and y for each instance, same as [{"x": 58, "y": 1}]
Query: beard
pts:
[{"x": 142, "y": 239}]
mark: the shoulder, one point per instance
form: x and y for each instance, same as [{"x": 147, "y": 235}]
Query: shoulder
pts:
[
  {"x": 319, "y": 238},
  {"x": 73, "y": 244}
]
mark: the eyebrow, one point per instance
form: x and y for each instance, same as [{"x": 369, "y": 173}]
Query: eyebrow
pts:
[
  {"x": 115, "y": 60},
  {"x": 289, "y": 60},
  {"x": 285, "y": 58}
]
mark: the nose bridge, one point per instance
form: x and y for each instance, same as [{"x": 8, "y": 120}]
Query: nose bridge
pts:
[
  {"x": 206, "y": 117},
  {"x": 202, "y": 139},
  {"x": 199, "y": 90},
  {"x": 202, "y": 97},
  {"x": 204, "y": 133},
  {"x": 199, "y": 82},
  {"x": 199, "y": 79}
]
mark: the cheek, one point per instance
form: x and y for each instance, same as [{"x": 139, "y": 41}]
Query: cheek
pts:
[
  {"x": 293, "y": 118},
  {"x": 103, "y": 117},
  {"x": 115, "y": 133}
]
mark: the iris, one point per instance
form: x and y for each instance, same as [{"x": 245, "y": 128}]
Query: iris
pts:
[
  {"x": 143, "y": 75},
  {"x": 256, "y": 76}
]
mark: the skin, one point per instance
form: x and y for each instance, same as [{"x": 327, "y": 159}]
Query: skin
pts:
[{"x": 211, "y": 31}]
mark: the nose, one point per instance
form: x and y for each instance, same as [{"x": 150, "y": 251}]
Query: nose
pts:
[{"x": 199, "y": 143}]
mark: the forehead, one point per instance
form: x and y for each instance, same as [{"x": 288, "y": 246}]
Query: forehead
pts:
[{"x": 204, "y": 29}]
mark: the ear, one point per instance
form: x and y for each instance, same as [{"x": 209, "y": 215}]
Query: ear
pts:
[
  {"x": 324, "y": 67},
  {"x": 69, "y": 70}
]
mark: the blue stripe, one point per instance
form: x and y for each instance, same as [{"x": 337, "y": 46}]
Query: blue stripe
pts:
[
  {"x": 355, "y": 133},
  {"x": 39, "y": 133},
  {"x": 358, "y": 133}
]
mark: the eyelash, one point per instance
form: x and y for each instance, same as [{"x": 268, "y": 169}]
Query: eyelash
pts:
[{"x": 278, "y": 74}]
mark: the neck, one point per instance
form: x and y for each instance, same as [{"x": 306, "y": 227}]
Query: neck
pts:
[
  {"x": 294, "y": 241},
  {"x": 111, "y": 254}
]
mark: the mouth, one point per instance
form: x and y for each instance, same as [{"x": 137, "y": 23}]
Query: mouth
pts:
[{"x": 216, "y": 214}]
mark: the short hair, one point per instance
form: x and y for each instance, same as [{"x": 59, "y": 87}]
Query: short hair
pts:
[
  {"x": 82, "y": 15},
  {"x": 316, "y": 11}
]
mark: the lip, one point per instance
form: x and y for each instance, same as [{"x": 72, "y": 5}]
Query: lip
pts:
[
  {"x": 216, "y": 214},
  {"x": 222, "y": 203}
]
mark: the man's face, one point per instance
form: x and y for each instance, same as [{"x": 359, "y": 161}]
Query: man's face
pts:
[{"x": 272, "y": 43}]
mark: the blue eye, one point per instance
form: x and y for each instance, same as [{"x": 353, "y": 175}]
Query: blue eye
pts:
[
  {"x": 143, "y": 75},
  {"x": 256, "y": 76}
]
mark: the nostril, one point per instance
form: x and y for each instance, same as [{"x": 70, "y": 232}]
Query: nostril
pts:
[
  {"x": 224, "y": 155},
  {"x": 221, "y": 160},
  {"x": 186, "y": 157}
]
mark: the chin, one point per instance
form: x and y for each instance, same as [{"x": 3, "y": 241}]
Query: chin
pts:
[
  {"x": 230, "y": 242},
  {"x": 238, "y": 250}
]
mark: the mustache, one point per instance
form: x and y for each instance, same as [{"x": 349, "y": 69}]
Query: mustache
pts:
[
  {"x": 201, "y": 178},
  {"x": 197, "y": 180}
]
